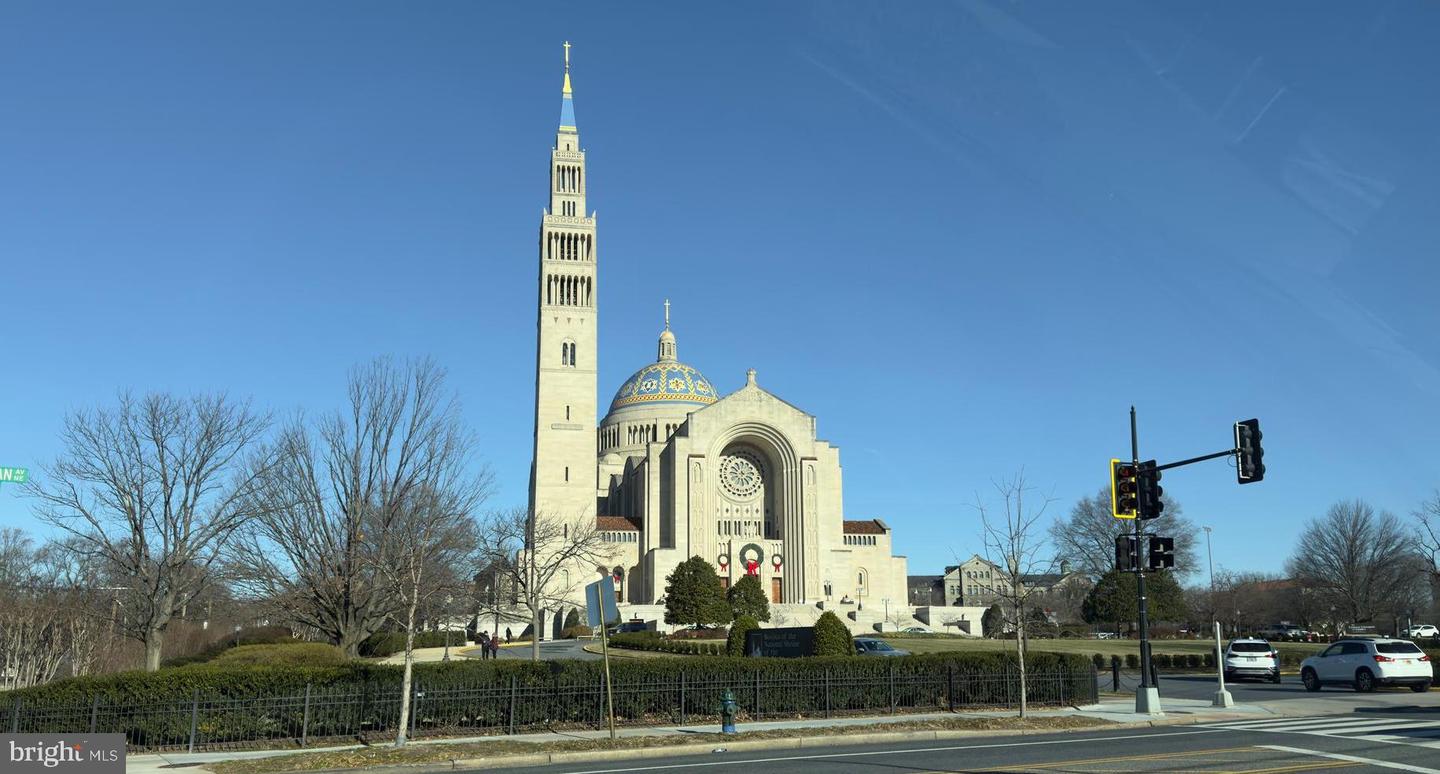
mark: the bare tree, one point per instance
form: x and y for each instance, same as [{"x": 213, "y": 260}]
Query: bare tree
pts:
[
  {"x": 1013, "y": 544},
  {"x": 1087, "y": 536},
  {"x": 330, "y": 505},
  {"x": 1428, "y": 532},
  {"x": 155, "y": 488},
  {"x": 1361, "y": 563},
  {"x": 429, "y": 533},
  {"x": 546, "y": 559},
  {"x": 51, "y": 615}
]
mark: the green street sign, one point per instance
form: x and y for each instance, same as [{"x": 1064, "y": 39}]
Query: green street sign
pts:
[{"x": 14, "y": 475}]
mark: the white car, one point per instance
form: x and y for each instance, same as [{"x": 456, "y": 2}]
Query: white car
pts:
[
  {"x": 1368, "y": 663},
  {"x": 1423, "y": 630},
  {"x": 1252, "y": 657}
]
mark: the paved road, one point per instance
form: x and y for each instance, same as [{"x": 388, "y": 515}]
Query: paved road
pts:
[
  {"x": 1251, "y": 692},
  {"x": 550, "y": 650},
  {"x": 1405, "y": 741}
]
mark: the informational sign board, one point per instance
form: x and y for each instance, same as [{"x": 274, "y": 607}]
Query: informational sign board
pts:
[
  {"x": 790, "y": 642},
  {"x": 600, "y": 602}
]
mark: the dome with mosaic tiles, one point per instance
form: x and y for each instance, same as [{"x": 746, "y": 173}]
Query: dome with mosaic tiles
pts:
[{"x": 667, "y": 381}]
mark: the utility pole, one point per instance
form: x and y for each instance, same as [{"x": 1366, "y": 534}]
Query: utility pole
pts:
[{"x": 1147, "y": 696}]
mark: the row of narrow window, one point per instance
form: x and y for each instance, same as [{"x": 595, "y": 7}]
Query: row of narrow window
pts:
[
  {"x": 610, "y": 437},
  {"x": 620, "y": 537},
  {"x": 560, "y": 246},
  {"x": 567, "y": 356},
  {"x": 860, "y": 540},
  {"x": 562, "y": 290},
  {"x": 569, "y": 178}
]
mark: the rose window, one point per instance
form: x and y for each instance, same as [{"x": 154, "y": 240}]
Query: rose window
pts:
[{"x": 740, "y": 474}]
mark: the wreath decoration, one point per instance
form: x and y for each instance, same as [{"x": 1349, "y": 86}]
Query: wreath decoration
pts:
[
  {"x": 723, "y": 560},
  {"x": 751, "y": 553},
  {"x": 777, "y": 560}
]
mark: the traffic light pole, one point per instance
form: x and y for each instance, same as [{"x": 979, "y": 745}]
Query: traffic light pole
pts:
[{"x": 1147, "y": 696}]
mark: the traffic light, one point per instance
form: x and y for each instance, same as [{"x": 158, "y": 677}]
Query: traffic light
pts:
[
  {"x": 1249, "y": 457},
  {"x": 1122, "y": 489},
  {"x": 1147, "y": 479},
  {"x": 1162, "y": 553},
  {"x": 1127, "y": 553}
]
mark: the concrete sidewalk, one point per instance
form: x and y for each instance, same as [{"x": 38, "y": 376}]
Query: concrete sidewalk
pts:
[{"x": 1116, "y": 711}]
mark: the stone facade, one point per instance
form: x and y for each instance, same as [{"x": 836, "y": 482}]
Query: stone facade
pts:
[{"x": 674, "y": 469}]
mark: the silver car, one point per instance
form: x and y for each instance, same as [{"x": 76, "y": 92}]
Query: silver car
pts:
[{"x": 874, "y": 646}]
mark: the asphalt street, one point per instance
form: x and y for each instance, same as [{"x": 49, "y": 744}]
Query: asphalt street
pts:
[{"x": 1389, "y": 741}]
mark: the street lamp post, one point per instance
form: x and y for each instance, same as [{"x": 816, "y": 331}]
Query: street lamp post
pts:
[{"x": 1222, "y": 696}]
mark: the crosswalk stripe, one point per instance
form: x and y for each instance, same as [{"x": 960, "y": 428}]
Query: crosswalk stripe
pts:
[{"x": 1426, "y": 733}]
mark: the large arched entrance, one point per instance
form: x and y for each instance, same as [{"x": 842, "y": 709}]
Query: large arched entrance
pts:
[{"x": 755, "y": 510}]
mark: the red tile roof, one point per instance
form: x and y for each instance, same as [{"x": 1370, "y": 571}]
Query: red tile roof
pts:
[
  {"x": 865, "y": 527},
  {"x": 615, "y": 524}
]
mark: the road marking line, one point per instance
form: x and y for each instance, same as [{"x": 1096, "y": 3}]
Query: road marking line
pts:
[
  {"x": 866, "y": 753},
  {"x": 1297, "y": 767},
  {"x": 1348, "y": 727},
  {"x": 1120, "y": 758},
  {"x": 1353, "y": 759}
]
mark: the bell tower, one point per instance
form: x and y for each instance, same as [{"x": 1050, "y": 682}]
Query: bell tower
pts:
[{"x": 562, "y": 474}]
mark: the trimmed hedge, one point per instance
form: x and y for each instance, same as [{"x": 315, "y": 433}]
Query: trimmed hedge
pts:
[
  {"x": 288, "y": 654},
  {"x": 214, "y": 681},
  {"x": 472, "y": 696},
  {"x": 654, "y": 641},
  {"x": 389, "y": 643}
]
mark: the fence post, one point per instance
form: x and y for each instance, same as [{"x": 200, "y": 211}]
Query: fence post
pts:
[
  {"x": 1115, "y": 675},
  {"x": 827, "y": 692},
  {"x": 94, "y": 711},
  {"x": 757, "y": 694},
  {"x": 950, "y": 685},
  {"x": 15, "y": 716},
  {"x": 194, "y": 717},
  {"x": 511, "y": 715},
  {"x": 682, "y": 697},
  {"x": 414, "y": 706},
  {"x": 305, "y": 719},
  {"x": 892, "y": 689}
]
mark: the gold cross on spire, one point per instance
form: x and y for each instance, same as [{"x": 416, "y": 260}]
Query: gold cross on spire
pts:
[
  {"x": 567, "y": 55},
  {"x": 667, "y": 314}
]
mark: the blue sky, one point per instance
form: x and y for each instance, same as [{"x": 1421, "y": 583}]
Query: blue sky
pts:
[{"x": 915, "y": 221}]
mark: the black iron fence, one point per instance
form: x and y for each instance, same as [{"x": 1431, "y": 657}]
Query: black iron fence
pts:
[{"x": 508, "y": 706}]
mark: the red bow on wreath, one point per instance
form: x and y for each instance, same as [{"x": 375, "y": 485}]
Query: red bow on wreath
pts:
[{"x": 752, "y": 567}]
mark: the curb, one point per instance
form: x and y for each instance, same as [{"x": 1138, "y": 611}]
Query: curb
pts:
[{"x": 747, "y": 745}]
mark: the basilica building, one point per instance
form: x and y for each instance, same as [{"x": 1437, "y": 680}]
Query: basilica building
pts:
[{"x": 677, "y": 466}]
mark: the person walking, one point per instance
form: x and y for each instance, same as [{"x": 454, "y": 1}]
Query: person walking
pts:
[
  {"x": 495, "y": 646},
  {"x": 508, "y": 638},
  {"x": 484, "y": 645}
]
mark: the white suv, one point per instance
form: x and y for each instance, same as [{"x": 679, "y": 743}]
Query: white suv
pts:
[
  {"x": 1423, "y": 630},
  {"x": 1252, "y": 657},
  {"x": 1368, "y": 663}
]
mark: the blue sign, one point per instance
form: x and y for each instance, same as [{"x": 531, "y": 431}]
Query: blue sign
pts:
[{"x": 600, "y": 602}]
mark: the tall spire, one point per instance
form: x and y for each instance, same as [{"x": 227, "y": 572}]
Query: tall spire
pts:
[
  {"x": 567, "y": 104},
  {"x": 667, "y": 340}
]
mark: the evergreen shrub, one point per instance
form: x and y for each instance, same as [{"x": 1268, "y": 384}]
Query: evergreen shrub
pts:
[
  {"x": 832, "y": 636},
  {"x": 742, "y": 626}
]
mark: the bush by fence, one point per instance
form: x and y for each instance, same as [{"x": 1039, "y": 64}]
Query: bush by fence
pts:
[{"x": 207, "y": 706}]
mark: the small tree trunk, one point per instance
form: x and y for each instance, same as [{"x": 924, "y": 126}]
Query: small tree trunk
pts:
[
  {"x": 400, "y": 733},
  {"x": 1020, "y": 653},
  {"x": 535, "y": 630}
]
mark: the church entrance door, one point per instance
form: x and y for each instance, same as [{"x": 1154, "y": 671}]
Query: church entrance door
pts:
[{"x": 774, "y": 589}]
